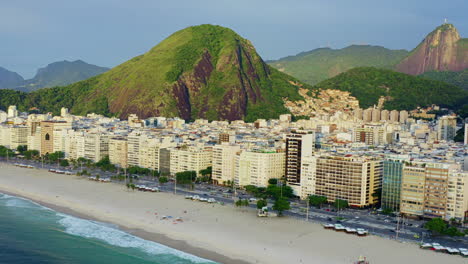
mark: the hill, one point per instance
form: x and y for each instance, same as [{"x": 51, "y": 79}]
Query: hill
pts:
[
  {"x": 62, "y": 73},
  {"x": 459, "y": 79},
  {"x": 9, "y": 79},
  {"x": 401, "y": 91},
  {"x": 441, "y": 50},
  {"x": 320, "y": 64},
  {"x": 203, "y": 71}
]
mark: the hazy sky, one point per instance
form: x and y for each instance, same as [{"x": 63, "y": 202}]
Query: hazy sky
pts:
[{"x": 34, "y": 33}]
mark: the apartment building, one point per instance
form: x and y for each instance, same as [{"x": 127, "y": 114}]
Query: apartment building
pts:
[
  {"x": 435, "y": 190},
  {"x": 354, "y": 179},
  {"x": 47, "y": 134},
  {"x": 118, "y": 151},
  {"x": 149, "y": 154},
  {"x": 412, "y": 190},
  {"x": 18, "y": 136},
  {"x": 371, "y": 135},
  {"x": 299, "y": 144},
  {"x": 457, "y": 196},
  {"x": 223, "y": 162},
  {"x": 190, "y": 159},
  {"x": 96, "y": 146},
  {"x": 391, "y": 184},
  {"x": 446, "y": 128},
  {"x": 256, "y": 167}
]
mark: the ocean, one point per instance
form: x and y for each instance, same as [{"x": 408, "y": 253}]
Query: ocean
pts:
[{"x": 34, "y": 234}]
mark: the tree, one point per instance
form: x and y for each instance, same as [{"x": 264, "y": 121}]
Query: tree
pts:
[
  {"x": 340, "y": 204},
  {"x": 387, "y": 211},
  {"x": 281, "y": 205},
  {"x": 105, "y": 164},
  {"x": 261, "y": 203},
  {"x": 186, "y": 177},
  {"x": 22, "y": 148},
  {"x": 436, "y": 225},
  {"x": 56, "y": 156},
  {"x": 132, "y": 186},
  {"x": 273, "y": 181},
  {"x": 163, "y": 179},
  {"x": 317, "y": 200},
  {"x": 64, "y": 163},
  {"x": 98, "y": 177},
  {"x": 279, "y": 191},
  {"x": 128, "y": 186}
]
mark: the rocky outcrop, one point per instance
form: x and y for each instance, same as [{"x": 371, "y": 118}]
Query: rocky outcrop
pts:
[{"x": 441, "y": 50}]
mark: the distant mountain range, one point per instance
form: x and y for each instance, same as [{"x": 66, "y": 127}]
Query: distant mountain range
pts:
[
  {"x": 55, "y": 74},
  {"x": 443, "y": 50},
  {"x": 320, "y": 64},
  {"x": 211, "y": 72},
  {"x": 9, "y": 79}
]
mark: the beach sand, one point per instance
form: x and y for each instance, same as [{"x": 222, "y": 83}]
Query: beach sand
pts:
[{"x": 221, "y": 233}]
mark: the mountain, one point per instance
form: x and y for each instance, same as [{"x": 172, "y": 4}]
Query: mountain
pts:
[
  {"x": 401, "y": 91},
  {"x": 459, "y": 79},
  {"x": 441, "y": 50},
  {"x": 320, "y": 64},
  {"x": 203, "y": 71},
  {"x": 62, "y": 73},
  {"x": 9, "y": 79}
]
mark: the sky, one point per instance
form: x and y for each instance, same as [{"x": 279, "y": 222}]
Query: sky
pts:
[{"x": 34, "y": 33}]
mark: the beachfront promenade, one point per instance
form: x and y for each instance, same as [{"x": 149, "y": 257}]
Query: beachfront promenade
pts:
[{"x": 409, "y": 230}]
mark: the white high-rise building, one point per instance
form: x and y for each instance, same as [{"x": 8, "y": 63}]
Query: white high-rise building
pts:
[
  {"x": 223, "y": 162},
  {"x": 447, "y": 127},
  {"x": 96, "y": 146},
  {"x": 18, "y": 136},
  {"x": 258, "y": 166},
  {"x": 12, "y": 111},
  {"x": 118, "y": 152}
]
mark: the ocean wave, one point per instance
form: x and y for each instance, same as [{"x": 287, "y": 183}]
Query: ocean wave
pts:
[
  {"x": 116, "y": 237},
  {"x": 15, "y": 201}
]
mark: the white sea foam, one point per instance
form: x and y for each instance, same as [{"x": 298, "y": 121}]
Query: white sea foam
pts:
[
  {"x": 116, "y": 237},
  {"x": 14, "y": 201}
]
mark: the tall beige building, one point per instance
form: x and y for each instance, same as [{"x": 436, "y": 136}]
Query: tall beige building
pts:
[
  {"x": 394, "y": 116},
  {"x": 367, "y": 115},
  {"x": 118, "y": 151},
  {"x": 149, "y": 154},
  {"x": 435, "y": 191},
  {"x": 413, "y": 182},
  {"x": 223, "y": 162},
  {"x": 349, "y": 178},
  {"x": 447, "y": 128},
  {"x": 256, "y": 167},
  {"x": 457, "y": 196},
  {"x": 47, "y": 134},
  {"x": 384, "y": 115},
  {"x": 371, "y": 135},
  {"x": 18, "y": 136},
  {"x": 376, "y": 115},
  {"x": 190, "y": 159},
  {"x": 403, "y": 116}
]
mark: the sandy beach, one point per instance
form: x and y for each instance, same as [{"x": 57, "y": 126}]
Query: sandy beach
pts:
[{"x": 221, "y": 233}]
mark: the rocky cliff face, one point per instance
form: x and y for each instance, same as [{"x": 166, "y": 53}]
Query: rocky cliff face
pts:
[{"x": 441, "y": 50}]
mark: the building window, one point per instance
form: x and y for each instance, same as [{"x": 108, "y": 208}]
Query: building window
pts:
[{"x": 47, "y": 137}]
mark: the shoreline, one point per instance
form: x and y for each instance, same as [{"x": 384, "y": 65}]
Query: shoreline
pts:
[
  {"x": 223, "y": 234},
  {"x": 150, "y": 236}
]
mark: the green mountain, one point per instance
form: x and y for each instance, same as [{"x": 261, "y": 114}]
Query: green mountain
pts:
[
  {"x": 61, "y": 73},
  {"x": 9, "y": 79},
  {"x": 401, "y": 91},
  {"x": 459, "y": 79},
  {"x": 320, "y": 64},
  {"x": 203, "y": 71}
]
